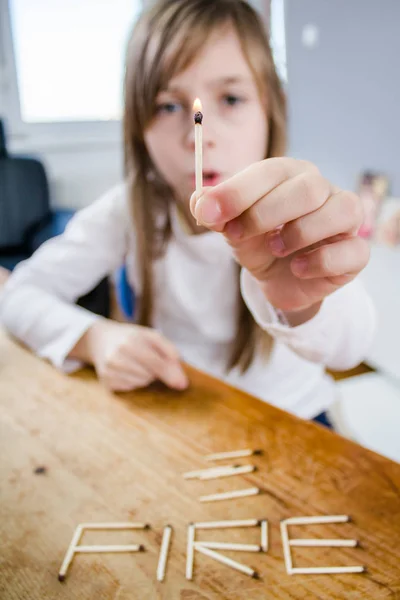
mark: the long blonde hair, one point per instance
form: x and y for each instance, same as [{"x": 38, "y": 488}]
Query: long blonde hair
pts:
[{"x": 164, "y": 41}]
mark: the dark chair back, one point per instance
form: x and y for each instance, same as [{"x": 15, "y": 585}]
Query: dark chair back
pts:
[{"x": 24, "y": 200}]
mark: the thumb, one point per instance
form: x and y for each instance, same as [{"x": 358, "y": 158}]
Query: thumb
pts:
[{"x": 194, "y": 198}]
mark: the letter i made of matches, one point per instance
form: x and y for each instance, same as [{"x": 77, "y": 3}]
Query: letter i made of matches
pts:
[
  {"x": 198, "y": 146},
  {"x": 162, "y": 561}
]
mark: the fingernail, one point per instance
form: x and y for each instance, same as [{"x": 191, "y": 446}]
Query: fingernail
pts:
[
  {"x": 300, "y": 264},
  {"x": 208, "y": 211},
  {"x": 193, "y": 202},
  {"x": 179, "y": 378},
  {"x": 276, "y": 244},
  {"x": 234, "y": 230},
  {"x": 182, "y": 383}
]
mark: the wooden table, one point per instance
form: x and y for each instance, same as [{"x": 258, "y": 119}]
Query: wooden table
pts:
[{"x": 120, "y": 458}]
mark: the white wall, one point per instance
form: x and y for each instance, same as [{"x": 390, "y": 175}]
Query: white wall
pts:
[{"x": 344, "y": 92}]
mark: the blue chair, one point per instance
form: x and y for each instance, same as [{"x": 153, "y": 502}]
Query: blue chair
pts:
[{"x": 125, "y": 294}]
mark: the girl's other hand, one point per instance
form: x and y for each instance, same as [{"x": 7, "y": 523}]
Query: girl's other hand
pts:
[{"x": 128, "y": 356}]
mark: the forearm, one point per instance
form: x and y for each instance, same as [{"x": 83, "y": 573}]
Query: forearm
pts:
[
  {"x": 302, "y": 316},
  {"x": 46, "y": 324},
  {"x": 338, "y": 335},
  {"x": 84, "y": 349}
]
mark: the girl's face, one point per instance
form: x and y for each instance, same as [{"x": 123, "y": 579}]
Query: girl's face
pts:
[{"x": 235, "y": 129}]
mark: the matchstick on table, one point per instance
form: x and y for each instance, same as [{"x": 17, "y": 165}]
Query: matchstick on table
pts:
[
  {"x": 209, "y": 471},
  {"x": 190, "y": 551},
  {"x": 226, "y": 524},
  {"x": 232, "y": 454},
  {"x": 229, "y": 546},
  {"x": 264, "y": 535},
  {"x": 230, "y": 495},
  {"x": 162, "y": 562},
  {"x": 227, "y": 561},
  {"x": 218, "y": 474}
]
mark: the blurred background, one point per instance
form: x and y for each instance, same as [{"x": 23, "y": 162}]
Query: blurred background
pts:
[{"x": 61, "y": 74}]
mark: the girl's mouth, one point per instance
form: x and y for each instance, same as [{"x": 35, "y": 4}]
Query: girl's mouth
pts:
[{"x": 210, "y": 178}]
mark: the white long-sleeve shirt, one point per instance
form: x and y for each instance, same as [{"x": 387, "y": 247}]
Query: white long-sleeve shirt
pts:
[{"x": 194, "y": 307}]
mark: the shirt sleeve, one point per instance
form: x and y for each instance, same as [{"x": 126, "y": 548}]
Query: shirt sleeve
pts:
[
  {"x": 37, "y": 302},
  {"x": 338, "y": 336}
]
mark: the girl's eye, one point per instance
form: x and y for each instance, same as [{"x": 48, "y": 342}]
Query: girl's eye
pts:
[
  {"x": 232, "y": 100},
  {"x": 168, "y": 107}
]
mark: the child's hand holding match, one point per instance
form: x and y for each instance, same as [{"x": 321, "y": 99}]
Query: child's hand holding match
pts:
[{"x": 291, "y": 229}]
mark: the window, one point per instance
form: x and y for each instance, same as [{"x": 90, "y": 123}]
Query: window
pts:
[
  {"x": 278, "y": 43},
  {"x": 62, "y": 62},
  {"x": 69, "y": 57}
]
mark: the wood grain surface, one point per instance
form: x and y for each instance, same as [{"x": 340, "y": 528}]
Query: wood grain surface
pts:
[{"x": 106, "y": 457}]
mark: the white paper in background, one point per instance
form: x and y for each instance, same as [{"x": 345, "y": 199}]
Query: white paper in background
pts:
[{"x": 369, "y": 413}]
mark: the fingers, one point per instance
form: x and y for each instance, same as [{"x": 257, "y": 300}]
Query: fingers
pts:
[
  {"x": 165, "y": 362},
  {"x": 194, "y": 198},
  {"x": 167, "y": 370},
  {"x": 337, "y": 262},
  {"x": 161, "y": 345},
  {"x": 126, "y": 374},
  {"x": 125, "y": 381},
  {"x": 342, "y": 213},
  {"x": 123, "y": 373},
  {"x": 291, "y": 200},
  {"x": 231, "y": 198}
]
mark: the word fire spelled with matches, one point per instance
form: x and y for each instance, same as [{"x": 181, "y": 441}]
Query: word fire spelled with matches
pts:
[
  {"x": 209, "y": 548},
  {"x": 213, "y": 549}
]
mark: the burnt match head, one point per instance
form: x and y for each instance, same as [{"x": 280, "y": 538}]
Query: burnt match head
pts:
[
  {"x": 198, "y": 115},
  {"x": 61, "y": 578}
]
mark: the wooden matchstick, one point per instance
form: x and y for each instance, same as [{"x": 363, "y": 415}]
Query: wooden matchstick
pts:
[
  {"x": 227, "y": 524},
  {"x": 324, "y": 543},
  {"x": 233, "y": 454},
  {"x": 190, "y": 551},
  {"x": 162, "y": 561},
  {"x": 198, "y": 146},
  {"x": 286, "y": 549},
  {"x": 317, "y": 520},
  {"x": 264, "y": 535},
  {"x": 199, "y": 473},
  {"x": 230, "y": 495},
  {"x": 326, "y": 570},
  {"x": 227, "y": 561},
  {"x": 110, "y": 548},
  {"x": 229, "y": 546},
  {"x": 70, "y": 553},
  {"x": 228, "y": 472},
  {"x": 115, "y": 525}
]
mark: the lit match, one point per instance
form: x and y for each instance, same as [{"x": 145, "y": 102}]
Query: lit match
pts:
[{"x": 198, "y": 146}]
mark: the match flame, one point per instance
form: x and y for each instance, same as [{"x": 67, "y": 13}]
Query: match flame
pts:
[{"x": 197, "y": 105}]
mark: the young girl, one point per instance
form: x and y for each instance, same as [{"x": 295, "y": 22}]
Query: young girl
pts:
[{"x": 262, "y": 293}]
